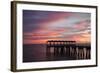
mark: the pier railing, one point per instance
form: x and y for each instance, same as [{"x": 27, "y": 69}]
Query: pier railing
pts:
[{"x": 68, "y": 48}]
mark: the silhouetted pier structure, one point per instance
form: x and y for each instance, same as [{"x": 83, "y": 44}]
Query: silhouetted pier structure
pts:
[{"x": 68, "y": 48}]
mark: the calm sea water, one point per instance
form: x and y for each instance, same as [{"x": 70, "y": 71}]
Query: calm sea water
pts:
[{"x": 37, "y": 52}]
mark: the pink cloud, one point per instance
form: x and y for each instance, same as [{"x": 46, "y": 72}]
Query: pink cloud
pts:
[{"x": 81, "y": 25}]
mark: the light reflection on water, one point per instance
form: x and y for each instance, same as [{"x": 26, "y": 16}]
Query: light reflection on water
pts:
[{"x": 37, "y": 52}]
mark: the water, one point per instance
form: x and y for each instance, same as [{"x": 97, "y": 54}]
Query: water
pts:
[{"x": 37, "y": 52}]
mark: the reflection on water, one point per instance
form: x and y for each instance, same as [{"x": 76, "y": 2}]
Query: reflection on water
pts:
[{"x": 40, "y": 52}]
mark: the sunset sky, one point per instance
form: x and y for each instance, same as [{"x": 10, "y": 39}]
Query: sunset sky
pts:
[{"x": 40, "y": 26}]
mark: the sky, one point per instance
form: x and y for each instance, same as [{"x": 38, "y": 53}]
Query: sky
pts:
[{"x": 41, "y": 26}]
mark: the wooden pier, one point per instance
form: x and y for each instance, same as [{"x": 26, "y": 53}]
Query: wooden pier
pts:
[{"x": 68, "y": 48}]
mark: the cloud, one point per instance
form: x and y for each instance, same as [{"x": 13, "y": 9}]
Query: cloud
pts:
[
  {"x": 40, "y": 26},
  {"x": 39, "y": 19}
]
